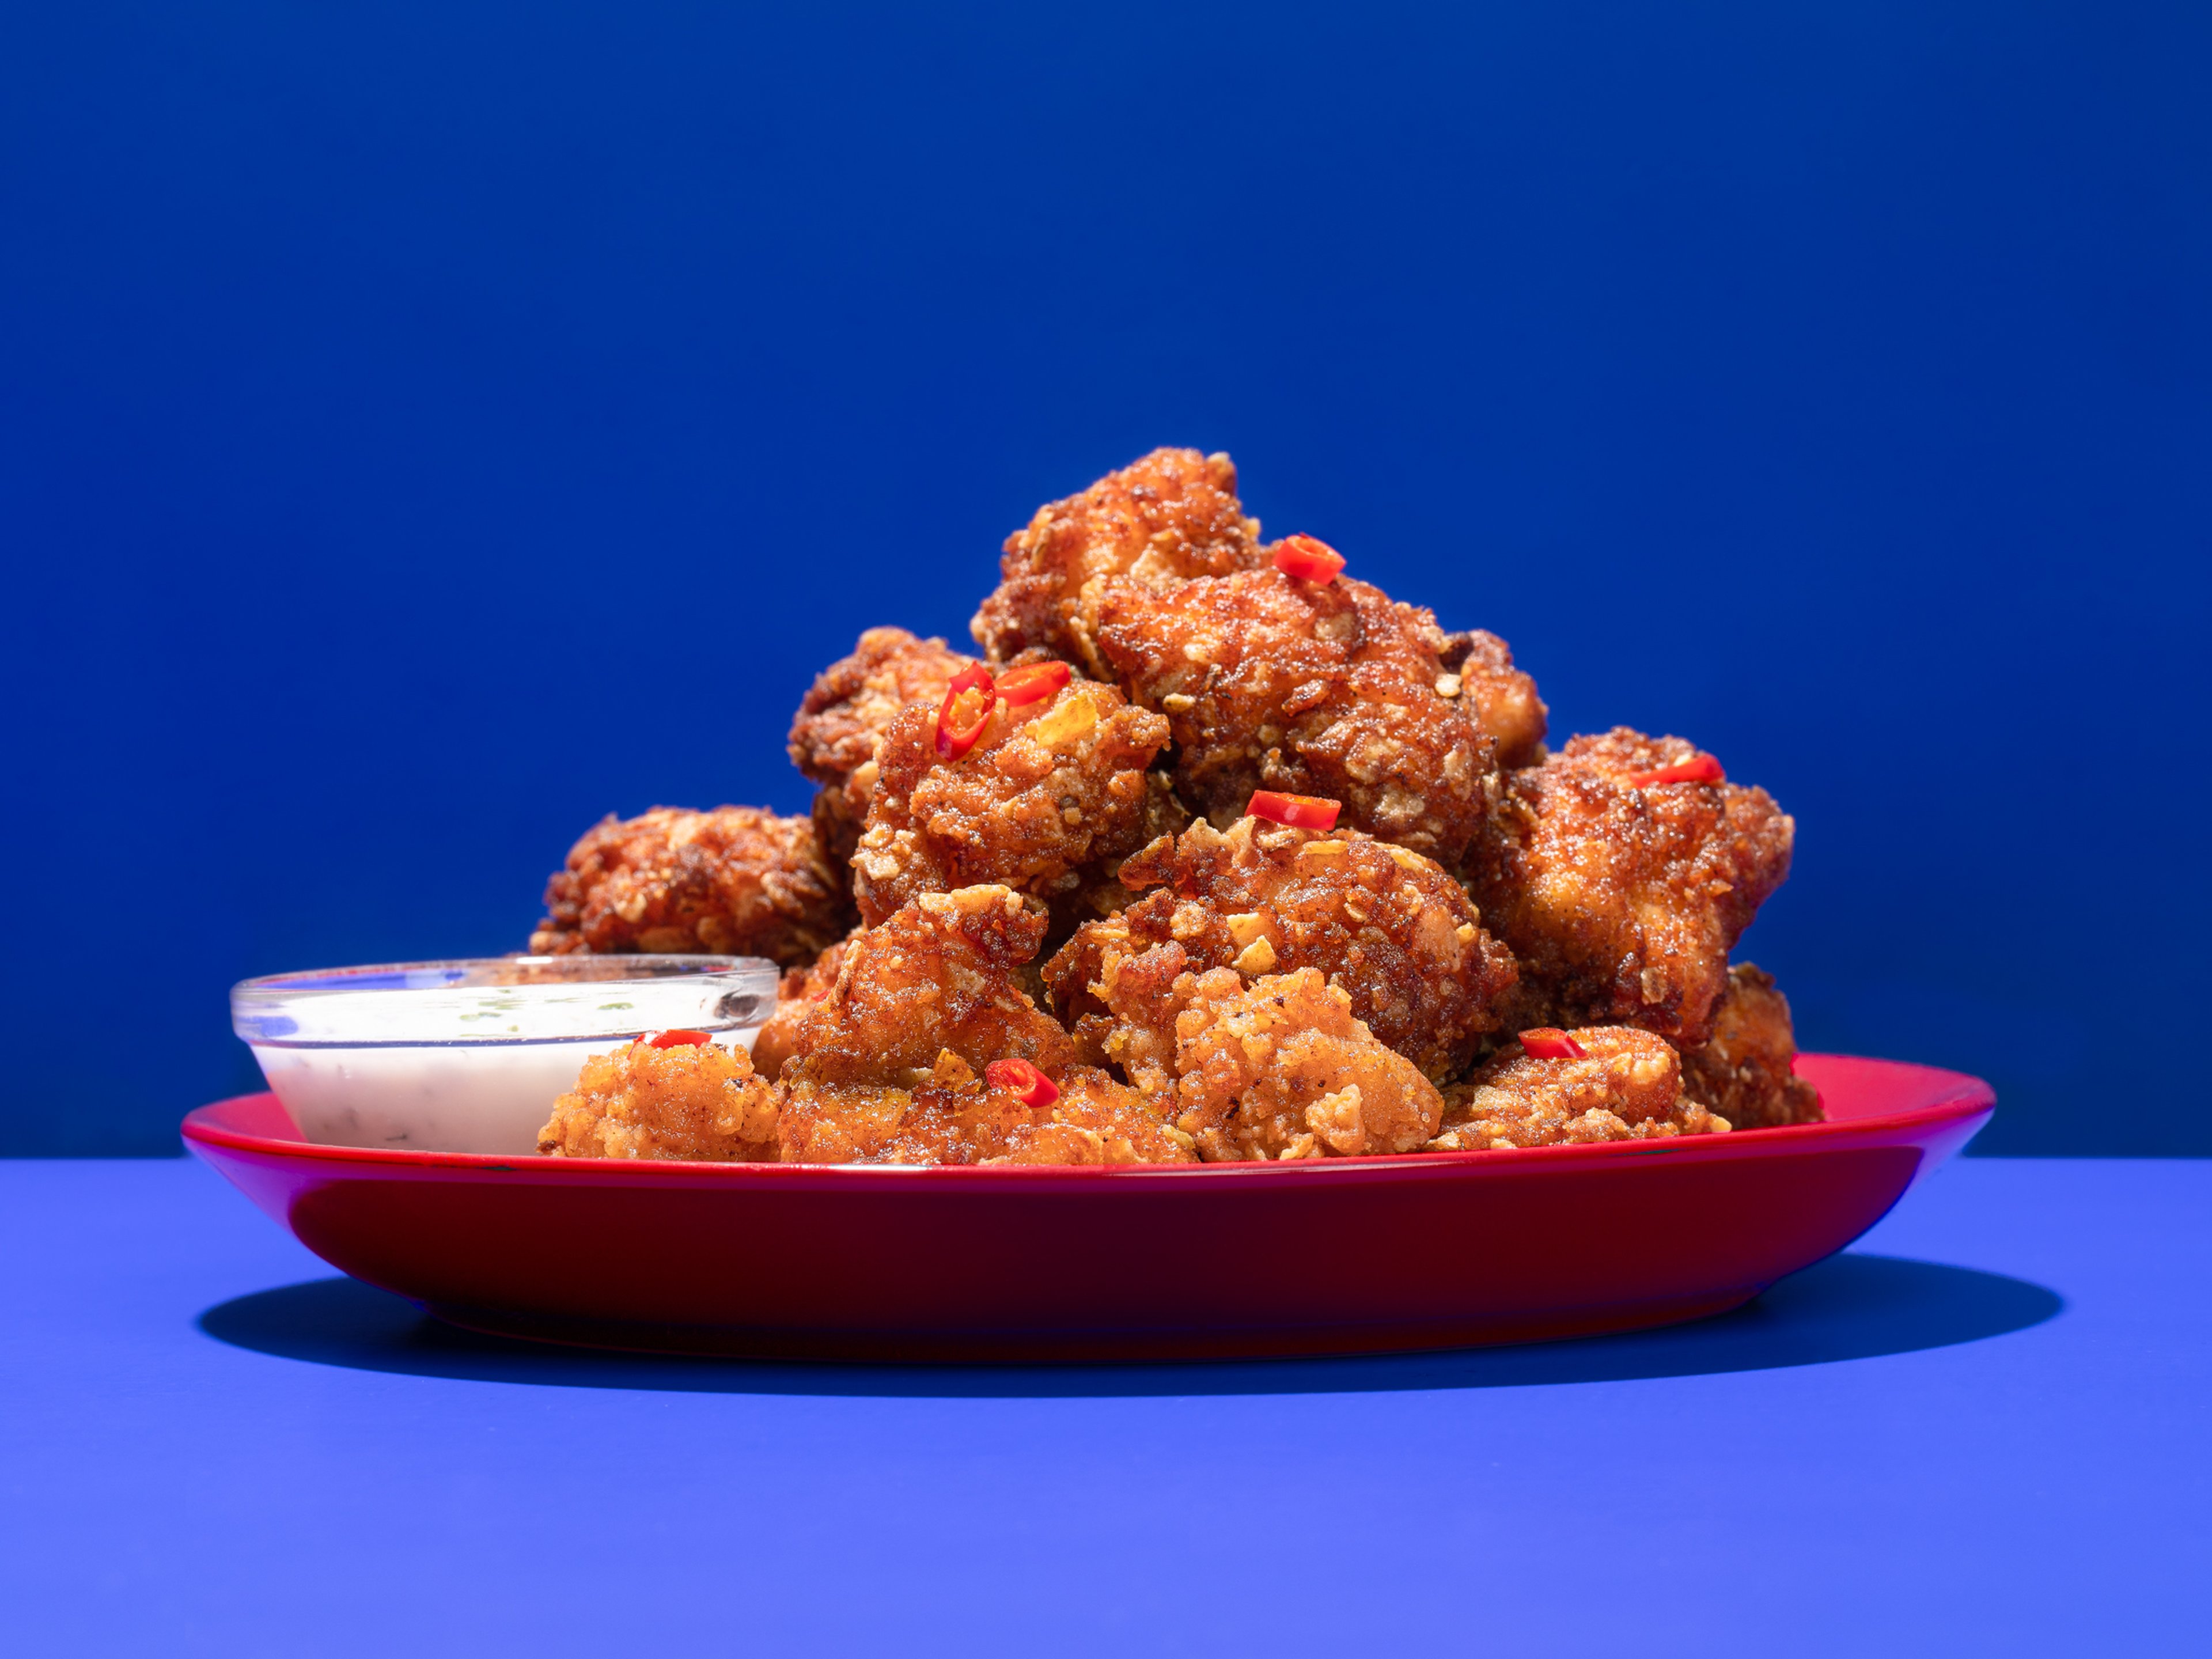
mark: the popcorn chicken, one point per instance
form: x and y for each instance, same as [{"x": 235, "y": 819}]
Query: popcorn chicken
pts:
[
  {"x": 736, "y": 881},
  {"x": 1311, "y": 688},
  {"x": 694, "y": 1102},
  {"x": 892, "y": 1065},
  {"x": 1169, "y": 517},
  {"x": 842, "y": 719},
  {"x": 1478, "y": 670},
  {"x": 1622, "y": 903},
  {"x": 1385, "y": 926},
  {"x": 1051, "y": 798},
  {"x": 1627, "y": 1086},
  {"x": 1277, "y": 1068},
  {"x": 1743, "y": 1070}
]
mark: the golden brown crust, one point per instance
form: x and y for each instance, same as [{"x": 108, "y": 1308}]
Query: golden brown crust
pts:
[
  {"x": 1097, "y": 1120},
  {"x": 1627, "y": 1086},
  {"x": 1160, "y": 520},
  {"x": 736, "y": 881},
  {"x": 843, "y": 717},
  {"x": 1275, "y": 1069},
  {"x": 938, "y": 974},
  {"x": 795, "y": 997},
  {"x": 1502, "y": 698},
  {"x": 957, "y": 1117},
  {"x": 890, "y": 1065},
  {"x": 1743, "y": 1072},
  {"x": 1053, "y": 794},
  {"x": 1622, "y": 904},
  {"x": 694, "y": 1102},
  {"x": 1317, "y": 688},
  {"x": 1387, "y": 926}
]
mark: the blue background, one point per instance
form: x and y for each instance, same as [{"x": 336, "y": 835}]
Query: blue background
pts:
[{"x": 423, "y": 429}]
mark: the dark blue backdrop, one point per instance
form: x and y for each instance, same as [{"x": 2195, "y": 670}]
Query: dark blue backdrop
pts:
[{"x": 423, "y": 429}]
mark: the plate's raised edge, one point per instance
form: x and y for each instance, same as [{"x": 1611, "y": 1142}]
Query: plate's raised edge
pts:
[{"x": 1962, "y": 1096}]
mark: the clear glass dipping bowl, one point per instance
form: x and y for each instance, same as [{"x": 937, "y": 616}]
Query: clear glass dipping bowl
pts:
[{"x": 469, "y": 1056}]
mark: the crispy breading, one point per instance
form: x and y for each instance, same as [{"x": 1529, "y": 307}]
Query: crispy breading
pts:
[
  {"x": 936, "y": 975},
  {"x": 889, "y": 1065},
  {"x": 736, "y": 881},
  {"x": 1622, "y": 904},
  {"x": 1314, "y": 687},
  {"x": 1627, "y": 1086},
  {"x": 1502, "y": 698},
  {"x": 1383, "y": 924},
  {"x": 1100, "y": 893},
  {"x": 1743, "y": 1072},
  {"x": 1159, "y": 521},
  {"x": 1277, "y": 1068},
  {"x": 1052, "y": 793},
  {"x": 697, "y": 1102},
  {"x": 957, "y": 1117},
  {"x": 843, "y": 717},
  {"x": 1097, "y": 1120},
  {"x": 796, "y": 994}
]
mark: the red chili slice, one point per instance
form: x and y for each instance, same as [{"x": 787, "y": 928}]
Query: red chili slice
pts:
[
  {"x": 1033, "y": 1086},
  {"x": 1031, "y": 682},
  {"x": 1308, "y": 558},
  {"x": 1550, "y": 1042},
  {"x": 678, "y": 1039},
  {"x": 1698, "y": 769},
  {"x": 1299, "y": 811},
  {"x": 955, "y": 738}
]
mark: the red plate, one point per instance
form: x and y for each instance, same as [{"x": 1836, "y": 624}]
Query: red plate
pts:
[{"x": 1183, "y": 1261}]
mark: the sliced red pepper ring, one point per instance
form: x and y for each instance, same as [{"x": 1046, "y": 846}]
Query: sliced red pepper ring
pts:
[
  {"x": 966, "y": 710},
  {"x": 1033, "y": 1086},
  {"x": 1698, "y": 769},
  {"x": 678, "y": 1039},
  {"x": 1031, "y": 682},
  {"x": 1550, "y": 1042},
  {"x": 1298, "y": 811},
  {"x": 1308, "y": 558}
]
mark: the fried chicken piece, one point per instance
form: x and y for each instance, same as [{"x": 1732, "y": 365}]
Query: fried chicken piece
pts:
[
  {"x": 800, "y": 989},
  {"x": 1097, "y": 1120},
  {"x": 1052, "y": 795},
  {"x": 1743, "y": 1072},
  {"x": 1160, "y": 521},
  {"x": 843, "y": 717},
  {"x": 1502, "y": 698},
  {"x": 1316, "y": 687},
  {"x": 697, "y": 1102},
  {"x": 890, "y": 1065},
  {"x": 1622, "y": 903},
  {"x": 1100, "y": 894},
  {"x": 954, "y": 1116},
  {"x": 937, "y": 974},
  {"x": 1384, "y": 925},
  {"x": 1275, "y": 1069},
  {"x": 736, "y": 881},
  {"x": 1626, "y": 1087}
]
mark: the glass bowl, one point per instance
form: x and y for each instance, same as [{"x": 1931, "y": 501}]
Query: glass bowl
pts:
[{"x": 469, "y": 1056}]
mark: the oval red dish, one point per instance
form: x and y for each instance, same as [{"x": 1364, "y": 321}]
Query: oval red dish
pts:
[{"x": 1187, "y": 1261}]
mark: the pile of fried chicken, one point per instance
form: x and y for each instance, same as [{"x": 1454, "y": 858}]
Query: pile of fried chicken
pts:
[{"x": 1212, "y": 852}]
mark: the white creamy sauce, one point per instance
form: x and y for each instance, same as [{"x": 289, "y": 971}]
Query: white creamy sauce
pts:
[{"x": 493, "y": 1098}]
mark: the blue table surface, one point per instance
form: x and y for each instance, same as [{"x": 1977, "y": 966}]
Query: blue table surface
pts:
[{"x": 1982, "y": 1431}]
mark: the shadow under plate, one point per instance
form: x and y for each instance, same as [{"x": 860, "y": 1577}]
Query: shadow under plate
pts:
[{"x": 1849, "y": 1307}]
